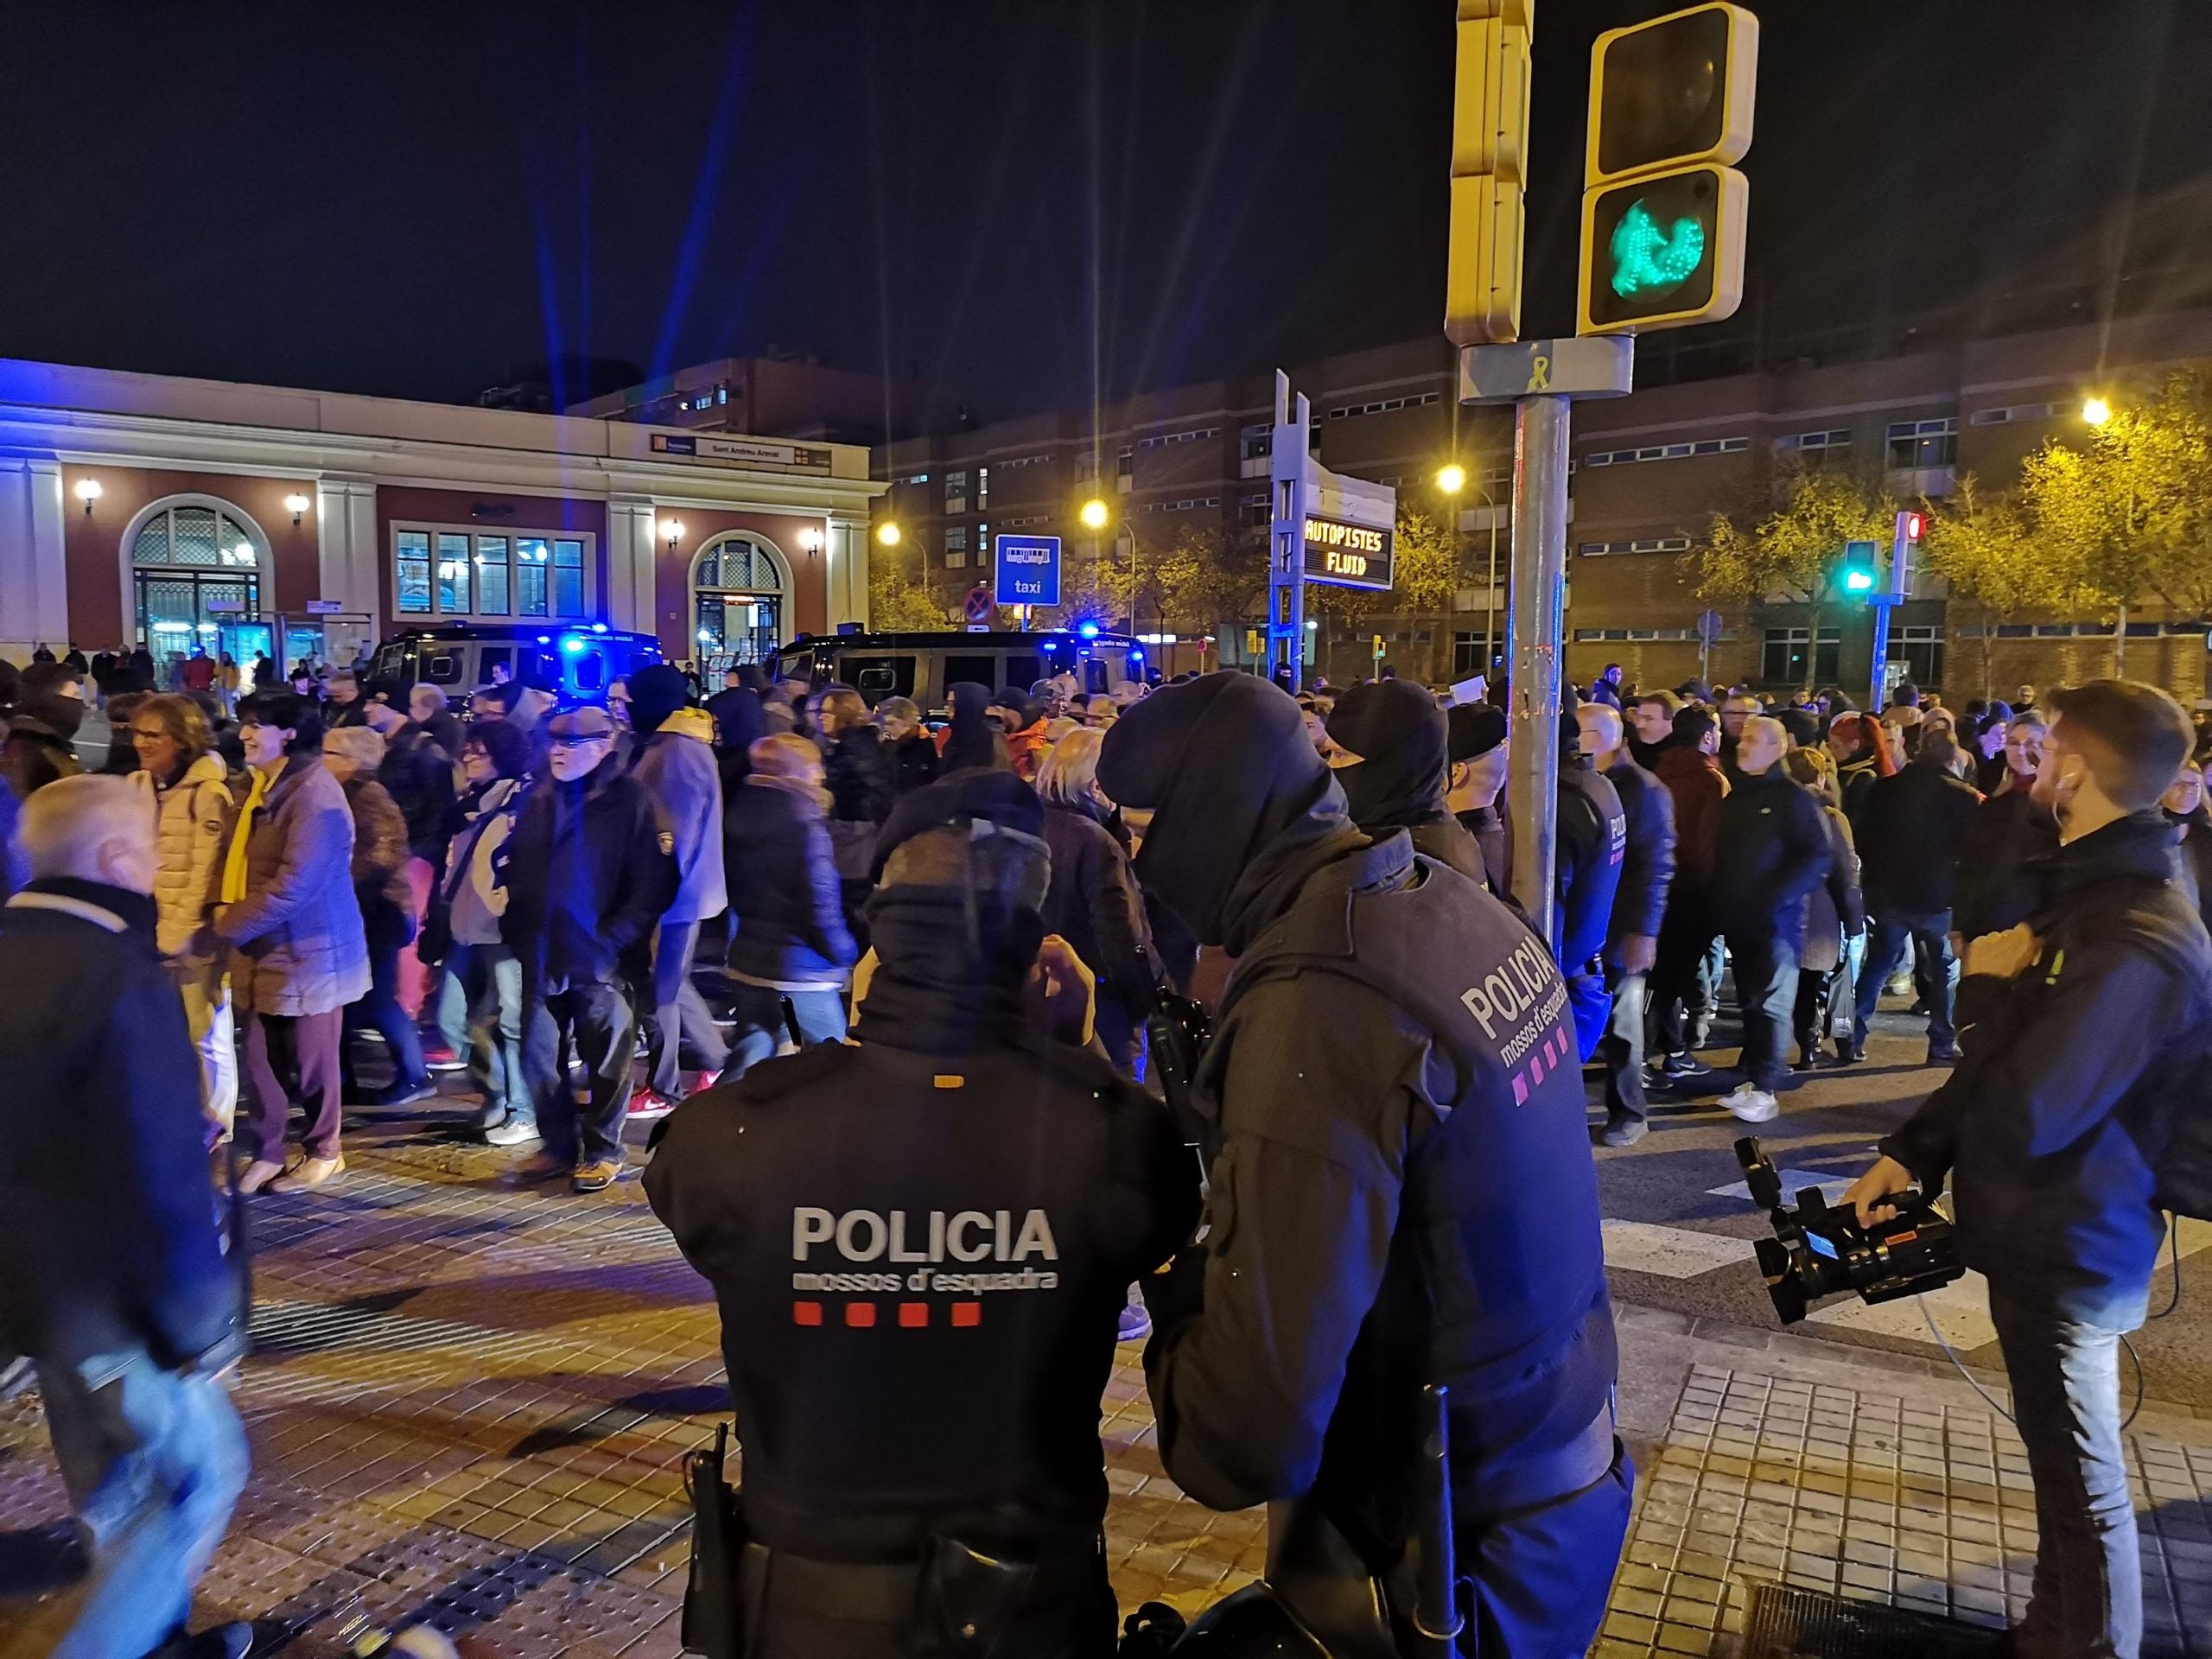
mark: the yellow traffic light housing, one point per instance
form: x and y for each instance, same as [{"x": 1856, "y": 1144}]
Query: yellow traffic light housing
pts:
[
  {"x": 1663, "y": 250},
  {"x": 1675, "y": 90},
  {"x": 1664, "y": 212},
  {"x": 1489, "y": 142}
]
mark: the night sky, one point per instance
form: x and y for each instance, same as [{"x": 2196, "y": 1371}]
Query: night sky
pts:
[{"x": 409, "y": 199}]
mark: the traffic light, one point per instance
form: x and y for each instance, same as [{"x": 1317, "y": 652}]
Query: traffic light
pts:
[
  {"x": 1664, "y": 212},
  {"x": 1904, "y": 552},
  {"x": 1858, "y": 574},
  {"x": 1489, "y": 141}
]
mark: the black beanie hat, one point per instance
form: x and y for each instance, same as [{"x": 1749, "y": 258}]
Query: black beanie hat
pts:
[
  {"x": 1476, "y": 728},
  {"x": 655, "y": 694}
]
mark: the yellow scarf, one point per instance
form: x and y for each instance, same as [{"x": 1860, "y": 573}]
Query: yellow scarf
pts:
[{"x": 234, "y": 861}]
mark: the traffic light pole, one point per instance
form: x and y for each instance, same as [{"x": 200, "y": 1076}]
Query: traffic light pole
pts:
[
  {"x": 1881, "y": 687},
  {"x": 1538, "y": 621},
  {"x": 1542, "y": 378}
]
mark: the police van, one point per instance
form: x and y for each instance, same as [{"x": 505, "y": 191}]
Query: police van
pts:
[
  {"x": 578, "y": 661},
  {"x": 923, "y": 666}
]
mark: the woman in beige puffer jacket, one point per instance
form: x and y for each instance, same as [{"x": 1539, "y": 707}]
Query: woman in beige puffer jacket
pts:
[{"x": 185, "y": 783}]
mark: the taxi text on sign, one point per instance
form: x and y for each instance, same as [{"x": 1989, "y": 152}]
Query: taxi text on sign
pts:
[{"x": 1028, "y": 569}]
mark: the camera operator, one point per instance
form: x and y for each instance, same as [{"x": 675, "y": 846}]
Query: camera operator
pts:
[
  {"x": 2076, "y": 1021},
  {"x": 921, "y": 1242},
  {"x": 1403, "y": 1192}
]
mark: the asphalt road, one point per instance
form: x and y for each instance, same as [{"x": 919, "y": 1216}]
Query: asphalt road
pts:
[{"x": 1678, "y": 1239}]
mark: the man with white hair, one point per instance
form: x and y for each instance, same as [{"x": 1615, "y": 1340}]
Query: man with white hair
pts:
[{"x": 114, "y": 1282}]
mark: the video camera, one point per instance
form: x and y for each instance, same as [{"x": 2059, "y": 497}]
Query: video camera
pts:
[{"x": 1817, "y": 1252}]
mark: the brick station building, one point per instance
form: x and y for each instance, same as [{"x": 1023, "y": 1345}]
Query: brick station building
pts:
[{"x": 148, "y": 509}]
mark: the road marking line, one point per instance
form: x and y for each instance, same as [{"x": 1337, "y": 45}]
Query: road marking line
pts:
[
  {"x": 1793, "y": 1182},
  {"x": 1670, "y": 1252}
]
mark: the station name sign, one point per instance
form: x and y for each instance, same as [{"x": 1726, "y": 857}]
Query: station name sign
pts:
[
  {"x": 739, "y": 452},
  {"x": 1347, "y": 555}
]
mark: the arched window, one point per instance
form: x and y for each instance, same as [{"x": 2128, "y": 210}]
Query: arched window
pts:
[
  {"x": 196, "y": 566},
  {"x": 741, "y": 594}
]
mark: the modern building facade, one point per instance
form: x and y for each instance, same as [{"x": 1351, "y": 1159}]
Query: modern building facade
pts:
[
  {"x": 790, "y": 396},
  {"x": 1649, "y": 471},
  {"x": 146, "y": 509}
]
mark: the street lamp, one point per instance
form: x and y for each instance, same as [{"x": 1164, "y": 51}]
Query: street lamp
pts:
[
  {"x": 886, "y": 534},
  {"x": 1452, "y": 479},
  {"x": 1094, "y": 514},
  {"x": 2096, "y": 411},
  {"x": 296, "y": 505}
]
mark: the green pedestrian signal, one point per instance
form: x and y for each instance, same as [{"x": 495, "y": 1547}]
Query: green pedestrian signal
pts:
[
  {"x": 1648, "y": 258},
  {"x": 1663, "y": 250}
]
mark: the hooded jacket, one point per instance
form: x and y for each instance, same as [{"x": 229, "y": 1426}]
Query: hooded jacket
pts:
[
  {"x": 675, "y": 763},
  {"x": 972, "y": 738},
  {"x": 126, "y": 1255},
  {"x": 589, "y": 875},
  {"x": 2050, "y": 1129},
  {"x": 418, "y": 776},
  {"x": 1403, "y": 1192},
  {"x": 1401, "y": 735}
]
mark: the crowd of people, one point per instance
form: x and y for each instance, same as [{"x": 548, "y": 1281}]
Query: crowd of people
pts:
[{"x": 613, "y": 917}]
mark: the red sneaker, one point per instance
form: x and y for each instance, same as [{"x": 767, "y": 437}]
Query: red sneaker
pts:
[
  {"x": 645, "y": 1105},
  {"x": 705, "y": 1080}
]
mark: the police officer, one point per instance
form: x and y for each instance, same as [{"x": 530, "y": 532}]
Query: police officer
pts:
[
  {"x": 1639, "y": 902},
  {"x": 1403, "y": 1193},
  {"x": 920, "y": 1244}
]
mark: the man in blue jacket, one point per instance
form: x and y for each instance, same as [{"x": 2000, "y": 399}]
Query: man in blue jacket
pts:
[
  {"x": 115, "y": 1281},
  {"x": 2077, "y": 1025}
]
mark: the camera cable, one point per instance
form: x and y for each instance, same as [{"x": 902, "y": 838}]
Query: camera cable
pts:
[{"x": 2173, "y": 1228}]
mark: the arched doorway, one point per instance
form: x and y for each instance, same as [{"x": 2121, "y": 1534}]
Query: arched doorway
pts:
[
  {"x": 197, "y": 565},
  {"x": 740, "y": 598}
]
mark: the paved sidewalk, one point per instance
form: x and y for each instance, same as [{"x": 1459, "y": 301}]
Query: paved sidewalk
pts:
[{"x": 469, "y": 1403}]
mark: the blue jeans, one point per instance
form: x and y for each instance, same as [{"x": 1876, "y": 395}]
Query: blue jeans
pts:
[
  {"x": 2088, "y": 1600},
  {"x": 154, "y": 1462},
  {"x": 479, "y": 1014},
  {"x": 760, "y": 1028},
  {"x": 1937, "y": 976},
  {"x": 1766, "y": 987}
]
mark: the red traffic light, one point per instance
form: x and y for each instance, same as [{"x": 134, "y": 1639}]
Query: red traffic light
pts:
[{"x": 1910, "y": 524}]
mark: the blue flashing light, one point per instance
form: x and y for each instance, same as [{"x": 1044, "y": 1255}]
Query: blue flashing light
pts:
[
  {"x": 544, "y": 638},
  {"x": 572, "y": 644},
  {"x": 1088, "y": 630},
  {"x": 1136, "y": 656},
  {"x": 1051, "y": 645},
  {"x": 598, "y": 628}
]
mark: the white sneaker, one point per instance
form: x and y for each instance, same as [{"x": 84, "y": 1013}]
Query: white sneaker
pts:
[
  {"x": 512, "y": 1131},
  {"x": 1750, "y": 1104}
]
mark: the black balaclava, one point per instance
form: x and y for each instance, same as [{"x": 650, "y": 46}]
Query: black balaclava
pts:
[
  {"x": 975, "y": 739},
  {"x": 1243, "y": 808},
  {"x": 1400, "y": 734},
  {"x": 955, "y": 923},
  {"x": 655, "y": 694}
]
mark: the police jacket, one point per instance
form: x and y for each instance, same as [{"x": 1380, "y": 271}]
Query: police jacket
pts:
[
  {"x": 1909, "y": 832},
  {"x": 2004, "y": 867},
  {"x": 2047, "y": 1129},
  {"x": 919, "y": 1259},
  {"x": 1403, "y": 1194},
  {"x": 1648, "y": 865},
  {"x": 1772, "y": 851},
  {"x": 1592, "y": 847}
]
